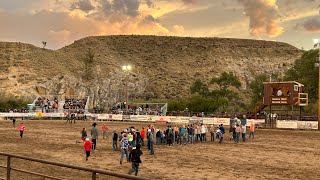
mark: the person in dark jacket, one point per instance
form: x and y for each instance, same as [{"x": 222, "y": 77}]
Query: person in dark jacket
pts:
[
  {"x": 134, "y": 158},
  {"x": 114, "y": 140}
]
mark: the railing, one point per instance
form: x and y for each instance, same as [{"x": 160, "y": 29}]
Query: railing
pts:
[{"x": 94, "y": 172}]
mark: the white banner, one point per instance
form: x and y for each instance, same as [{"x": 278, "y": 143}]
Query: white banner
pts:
[
  {"x": 255, "y": 121},
  {"x": 208, "y": 120},
  {"x": 17, "y": 114},
  {"x": 224, "y": 121},
  {"x": 182, "y": 119},
  {"x": 53, "y": 115},
  {"x": 287, "y": 124},
  {"x": 139, "y": 118},
  {"x": 117, "y": 117},
  {"x": 307, "y": 125}
]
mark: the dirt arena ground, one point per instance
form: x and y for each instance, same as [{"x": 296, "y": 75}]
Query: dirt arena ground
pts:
[{"x": 273, "y": 154}]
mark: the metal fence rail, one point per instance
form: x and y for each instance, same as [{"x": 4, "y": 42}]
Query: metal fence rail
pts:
[{"x": 92, "y": 170}]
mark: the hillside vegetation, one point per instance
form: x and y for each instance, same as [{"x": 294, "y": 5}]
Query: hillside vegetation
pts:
[{"x": 163, "y": 67}]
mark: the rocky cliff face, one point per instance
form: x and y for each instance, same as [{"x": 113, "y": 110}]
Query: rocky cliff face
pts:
[{"x": 163, "y": 67}]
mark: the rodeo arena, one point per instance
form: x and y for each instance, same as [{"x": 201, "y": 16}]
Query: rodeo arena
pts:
[{"x": 61, "y": 138}]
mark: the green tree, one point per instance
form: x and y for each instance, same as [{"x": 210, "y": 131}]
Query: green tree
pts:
[
  {"x": 199, "y": 87},
  {"x": 256, "y": 87},
  {"x": 226, "y": 80},
  {"x": 304, "y": 72}
]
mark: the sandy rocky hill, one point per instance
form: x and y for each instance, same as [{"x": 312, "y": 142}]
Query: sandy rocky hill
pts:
[{"x": 163, "y": 67}]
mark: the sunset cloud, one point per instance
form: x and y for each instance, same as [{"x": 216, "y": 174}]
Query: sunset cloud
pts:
[
  {"x": 263, "y": 17},
  {"x": 60, "y": 22}
]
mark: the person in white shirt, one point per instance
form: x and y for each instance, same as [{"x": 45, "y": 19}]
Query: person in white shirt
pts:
[
  {"x": 279, "y": 93},
  {"x": 203, "y": 132}
]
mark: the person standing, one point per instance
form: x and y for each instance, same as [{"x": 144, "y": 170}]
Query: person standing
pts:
[
  {"x": 104, "y": 131},
  {"x": 21, "y": 129},
  {"x": 191, "y": 134},
  {"x": 151, "y": 140},
  {"x": 196, "y": 133},
  {"x": 94, "y": 136},
  {"x": 138, "y": 137},
  {"x": 203, "y": 132},
  {"x": 14, "y": 122},
  {"x": 124, "y": 147},
  {"x": 84, "y": 134},
  {"x": 243, "y": 132},
  {"x": 199, "y": 133},
  {"x": 87, "y": 145},
  {"x": 220, "y": 136},
  {"x": 238, "y": 130},
  {"x": 175, "y": 131},
  {"x": 143, "y": 135},
  {"x": 114, "y": 140},
  {"x": 212, "y": 133},
  {"x": 134, "y": 158},
  {"x": 251, "y": 130}
]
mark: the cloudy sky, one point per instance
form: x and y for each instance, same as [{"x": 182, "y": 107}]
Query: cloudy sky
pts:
[{"x": 60, "y": 22}]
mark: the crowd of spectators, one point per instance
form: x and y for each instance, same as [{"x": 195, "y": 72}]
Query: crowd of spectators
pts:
[
  {"x": 144, "y": 109},
  {"x": 47, "y": 105},
  {"x": 75, "y": 103}
]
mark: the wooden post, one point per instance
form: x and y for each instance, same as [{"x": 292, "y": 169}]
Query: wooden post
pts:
[
  {"x": 8, "y": 167},
  {"x": 270, "y": 117},
  {"x": 94, "y": 175}
]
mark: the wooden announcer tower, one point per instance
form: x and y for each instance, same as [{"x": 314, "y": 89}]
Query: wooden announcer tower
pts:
[
  {"x": 284, "y": 93},
  {"x": 289, "y": 93}
]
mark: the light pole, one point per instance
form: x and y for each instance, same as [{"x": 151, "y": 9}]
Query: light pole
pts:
[
  {"x": 317, "y": 64},
  {"x": 127, "y": 69}
]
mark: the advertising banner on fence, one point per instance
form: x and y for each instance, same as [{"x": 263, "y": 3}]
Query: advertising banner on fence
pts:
[
  {"x": 208, "y": 120},
  {"x": 53, "y": 115},
  {"x": 196, "y": 120},
  {"x": 17, "y": 114},
  {"x": 307, "y": 125},
  {"x": 139, "y": 118},
  {"x": 117, "y": 117},
  {"x": 255, "y": 121},
  {"x": 102, "y": 116},
  {"x": 287, "y": 124},
  {"x": 182, "y": 119},
  {"x": 224, "y": 121}
]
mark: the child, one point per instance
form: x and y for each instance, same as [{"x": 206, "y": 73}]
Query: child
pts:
[
  {"x": 220, "y": 136},
  {"x": 104, "y": 131},
  {"x": 84, "y": 134},
  {"x": 251, "y": 130},
  {"x": 134, "y": 158},
  {"x": 114, "y": 140},
  {"x": 87, "y": 147},
  {"x": 21, "y": 128},
  {"x": 130, "y": 139},
  {"x": 14, "y": 122},
  {"x": 218, "y": 132},
  {"x": 238, "y": 130}
]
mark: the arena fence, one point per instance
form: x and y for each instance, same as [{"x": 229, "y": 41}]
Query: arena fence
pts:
[{"x": 94, "y": 172}]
